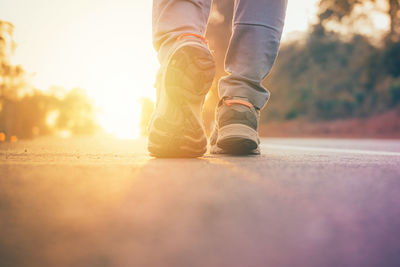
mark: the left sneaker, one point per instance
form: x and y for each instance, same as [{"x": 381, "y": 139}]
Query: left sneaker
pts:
[
  {"x": 176, "y": 129},
  {"x": 236, "y": 127}
]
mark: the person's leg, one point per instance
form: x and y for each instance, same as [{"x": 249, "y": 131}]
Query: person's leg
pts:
[
  {"x": 186, "y": 74},
  {"x": 257, "y": 29},
  {"x": 172, "y": 18}
]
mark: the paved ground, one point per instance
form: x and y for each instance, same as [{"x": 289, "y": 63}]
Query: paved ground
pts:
[{"x": 101, "y": 202}]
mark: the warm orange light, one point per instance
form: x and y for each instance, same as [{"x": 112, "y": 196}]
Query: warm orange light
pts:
[
  {"x": 2, "y": 137},
  {"x": 13, "y": 139}
]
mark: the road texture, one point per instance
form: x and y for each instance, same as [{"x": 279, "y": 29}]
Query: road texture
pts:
[{"x": 103, "y": 202}]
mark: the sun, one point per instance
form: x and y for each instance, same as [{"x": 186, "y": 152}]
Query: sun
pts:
[
  {"x": 123, "y": 65},
  {"x": 118, "y": 90}
]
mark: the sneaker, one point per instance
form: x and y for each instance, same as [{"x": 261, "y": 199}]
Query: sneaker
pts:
[
  {"x": 236, "y": 128},
  {"x": 176, "y": 129}
]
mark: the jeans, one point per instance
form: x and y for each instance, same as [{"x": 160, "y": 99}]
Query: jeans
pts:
[{"x": 257, "y": 30}]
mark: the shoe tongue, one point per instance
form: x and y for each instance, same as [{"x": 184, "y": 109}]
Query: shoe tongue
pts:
[{"x": 230, "y": 102}]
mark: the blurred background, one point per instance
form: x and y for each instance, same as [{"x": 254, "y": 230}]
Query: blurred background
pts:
[{"x": 84, "y": 68}]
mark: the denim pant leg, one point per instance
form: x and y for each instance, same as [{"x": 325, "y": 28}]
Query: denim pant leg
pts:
[
  {"x": 257, "y": 30},
  {"x": 172, "y": 18}
]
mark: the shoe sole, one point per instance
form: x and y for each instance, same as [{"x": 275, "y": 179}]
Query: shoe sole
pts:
[
  {"x": 188, "y": 76},
  {"x": 238, "y": 139}
]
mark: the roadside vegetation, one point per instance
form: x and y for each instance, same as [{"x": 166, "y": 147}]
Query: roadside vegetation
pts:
[{"x": 26, "y": 112}]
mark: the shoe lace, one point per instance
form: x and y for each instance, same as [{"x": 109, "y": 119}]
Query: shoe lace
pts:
[
  {"x": 180, "y": 37},
  {"x": 230, "y": 102}
]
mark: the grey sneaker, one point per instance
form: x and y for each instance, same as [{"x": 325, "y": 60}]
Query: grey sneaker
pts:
[
  {"x": 176, "y": 129},
  {"x": 236, "y": 128}
]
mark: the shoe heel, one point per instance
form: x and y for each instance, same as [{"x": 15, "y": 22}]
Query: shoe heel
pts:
[{"x": 237, "y": 139}]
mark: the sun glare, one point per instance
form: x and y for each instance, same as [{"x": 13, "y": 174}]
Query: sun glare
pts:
[{"x": 122, "y": 64}]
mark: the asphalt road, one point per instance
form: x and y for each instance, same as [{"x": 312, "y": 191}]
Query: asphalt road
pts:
[{"x": 104, "y": 202}]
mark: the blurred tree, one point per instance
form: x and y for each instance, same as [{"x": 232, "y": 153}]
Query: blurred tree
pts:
[
  {"x": 25, "y": 112},
  {"x": 322, "y": 78},
  {"x": 12, "y": 78},
  {"x": 394, "y": 14},
  {"x": 75, "y": 113},
  {"x": 326, "y": 76},
  {"x": 28, "y": 116},
  {"x": 339, "y": 10}
]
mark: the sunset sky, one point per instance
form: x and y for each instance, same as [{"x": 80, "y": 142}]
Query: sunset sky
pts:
[{"x": 102, "y": 46}]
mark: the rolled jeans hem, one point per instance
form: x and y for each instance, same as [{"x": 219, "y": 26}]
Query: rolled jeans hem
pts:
[{"x": 230, "y": 86}]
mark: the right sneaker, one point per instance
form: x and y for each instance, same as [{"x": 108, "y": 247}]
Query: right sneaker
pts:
[
  {"x": 176, "y": 128},
  {"x": 236, "y": 127}
]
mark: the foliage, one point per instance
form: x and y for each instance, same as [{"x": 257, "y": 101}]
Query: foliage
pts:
[
  {"x": 12, "y": 78},
  {"x": 329, "y": 76},
  {"x": 325, "y": 77},
  {"x": 39, "y": 113},
  {"x": 348, "y": 12},
  {"x": 25, "y": 112}
]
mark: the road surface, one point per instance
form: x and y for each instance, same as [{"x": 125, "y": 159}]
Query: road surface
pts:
[{"x": 103, "y": 202}]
